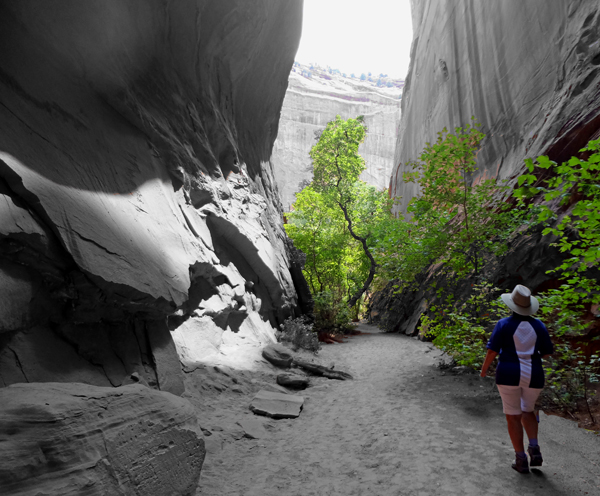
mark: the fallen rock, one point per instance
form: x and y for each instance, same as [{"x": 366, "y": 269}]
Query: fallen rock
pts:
[
  {"x": 317, "y": 369},
  {"x": 278, "y": 355},
  {"x": 276, "y": 405},
  {"x": 293, "y": 381},
  {"x": 253, "y": 428},
  {"x": 72, "y": 439}
]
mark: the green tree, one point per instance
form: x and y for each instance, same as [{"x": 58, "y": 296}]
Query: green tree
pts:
[
  {"x": 319, "y": 231},
  {"x": 337, "y": 166}
]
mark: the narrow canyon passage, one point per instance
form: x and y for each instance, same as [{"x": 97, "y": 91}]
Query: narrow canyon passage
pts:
[{"x": 402, "y": 427}]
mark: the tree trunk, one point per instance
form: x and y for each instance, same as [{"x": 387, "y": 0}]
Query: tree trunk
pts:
[{"x": 363, "y": 241}]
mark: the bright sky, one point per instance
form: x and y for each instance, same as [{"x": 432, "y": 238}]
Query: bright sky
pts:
[{"x": 357, "y": 36}]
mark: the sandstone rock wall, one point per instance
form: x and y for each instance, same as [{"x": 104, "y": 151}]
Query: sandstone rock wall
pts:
[
  {"x": 135, "y": 181},
  {"x": 310, "y": 103},
  {"x": 529, "y": 72},
  {"x": 137, "y": 201}
]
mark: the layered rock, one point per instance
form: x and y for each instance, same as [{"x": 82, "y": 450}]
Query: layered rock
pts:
[
  {"x": 313, "y": 98},
  {"x": 529, "y": 72},
  {"x": 135, "y": 183},
  {"x": 75, "y": 439}
]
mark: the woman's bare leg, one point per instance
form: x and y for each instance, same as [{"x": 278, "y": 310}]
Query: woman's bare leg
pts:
[
  {"x": 531, "y": 425},
  {"x": 515, "y": 431}
]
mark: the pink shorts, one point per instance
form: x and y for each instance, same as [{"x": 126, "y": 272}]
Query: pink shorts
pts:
[{"x": 517, "y": 399}]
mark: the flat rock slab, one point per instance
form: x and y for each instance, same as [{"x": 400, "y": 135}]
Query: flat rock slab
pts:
[
  {"x": 278, "y": 355},
  {"x": 276, "y": 405},
  {"x": 253, "y": 427},
  {"x": 293, "y": 381}
]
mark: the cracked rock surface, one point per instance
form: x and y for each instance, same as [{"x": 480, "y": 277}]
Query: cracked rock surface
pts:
[
  {"x": 140, "y": 227},
  {"x": 74, "y": 439},
  {"x": 136, "y": 192}
]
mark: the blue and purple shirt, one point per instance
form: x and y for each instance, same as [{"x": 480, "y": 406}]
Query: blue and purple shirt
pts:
[{"x": 521, "y": 342}]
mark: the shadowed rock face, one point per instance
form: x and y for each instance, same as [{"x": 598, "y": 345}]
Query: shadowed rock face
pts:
[
  {"x": 74, "y": 439},
  {"x": 310, "y": 103},
  {"x": 528, "y": 71},
  {"x": 135, "y": 182},
  {"x": 137, "y": 204}
]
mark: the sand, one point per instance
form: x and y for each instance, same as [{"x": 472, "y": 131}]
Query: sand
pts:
[{"x": 401, "y": 427}]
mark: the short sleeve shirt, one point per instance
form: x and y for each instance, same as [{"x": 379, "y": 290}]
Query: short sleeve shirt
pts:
[{"x": 521, "y": 342}]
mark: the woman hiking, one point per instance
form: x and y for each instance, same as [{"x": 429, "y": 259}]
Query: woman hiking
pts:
[{"x": 521, "y": 341}]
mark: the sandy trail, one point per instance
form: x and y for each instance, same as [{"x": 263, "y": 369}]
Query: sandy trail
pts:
[{"x": 402, "y": 427}]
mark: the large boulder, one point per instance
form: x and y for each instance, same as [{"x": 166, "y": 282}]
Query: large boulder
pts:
[{"x": 75, "y": 439}]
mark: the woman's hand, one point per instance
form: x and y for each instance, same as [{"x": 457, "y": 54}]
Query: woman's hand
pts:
[{"x": 489, "y": 358}]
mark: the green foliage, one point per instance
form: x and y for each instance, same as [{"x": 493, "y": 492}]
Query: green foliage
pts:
[
  {"x": 575, "y": 187},
  {"x": 330, "y": 313},
  {"x": 453, "y": 221},
  {"x": 300, "y": 334},
  {"x": 462, "y": 331},
  {"x": 570, "y": 372},
  {"x": 335, "y": 216},
  {"x": 318, "y": 230},
  {"x": 570, "y": 213},
  {"x": 337, "y": 164}
]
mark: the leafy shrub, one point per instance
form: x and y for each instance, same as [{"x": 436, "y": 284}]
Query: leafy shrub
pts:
[
  {"x": 570, "y": 373},
  {"x": 574, "y": 186},
  {"x": 300, "y": 334},
  {"x": 464, "y": 331},
  {"x": 453, "y": 221},
  {"x": 330, "y": 314}
]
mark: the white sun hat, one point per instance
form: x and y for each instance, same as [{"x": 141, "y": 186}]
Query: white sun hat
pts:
[{"x": 521, "y": 301}]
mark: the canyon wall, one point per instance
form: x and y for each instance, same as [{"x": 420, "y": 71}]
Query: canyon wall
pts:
[
  {"x": 527, "y": 71},
  {"x": 140, "y": 225},
  {"x": 313, "y": 98}
]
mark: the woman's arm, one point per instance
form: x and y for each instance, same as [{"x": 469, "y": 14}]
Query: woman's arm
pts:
[{"x": 489, "y": 358}]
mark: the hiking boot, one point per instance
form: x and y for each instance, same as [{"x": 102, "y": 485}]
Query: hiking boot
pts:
[
  {"x": 521, "y": 465},
  {"x": 536, "y": 456}
]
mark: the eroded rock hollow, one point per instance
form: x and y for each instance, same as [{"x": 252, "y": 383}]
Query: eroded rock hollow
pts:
[{"x": 139, "y": 221}]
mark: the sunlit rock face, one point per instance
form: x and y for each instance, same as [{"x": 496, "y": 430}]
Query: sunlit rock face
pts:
[
  {"x": 313, "y": 98},
  {"x": 529, "y": 72}
]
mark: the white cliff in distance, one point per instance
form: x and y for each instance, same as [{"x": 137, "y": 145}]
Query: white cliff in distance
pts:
[{"x": 313, "y": 98}]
